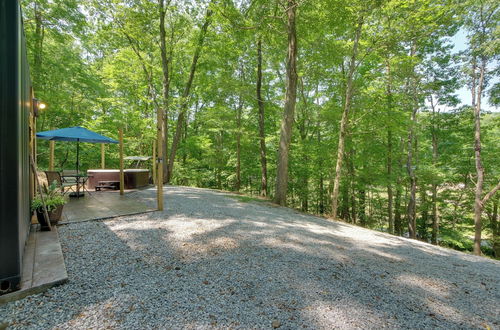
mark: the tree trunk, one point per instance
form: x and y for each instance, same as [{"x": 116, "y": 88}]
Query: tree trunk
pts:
[
  {"x": 289, "y": 109},
  {"x": 238, "y": 143},
  {"x": 478, "y": 205},
  {"x": 304, "y": 135},
  {"x": 435, "y": 217},
  {"x": 345, "y": 119},
  {"x": 362, "y": 207},
  {"x": 344, "y": 210},
  {"x": 389, "y": 151},
  {"x": 262, "y": 132},
  {"x": 321, "y": 204},
  {"x": 398, "y": 223},
  {"x": 411, "y": 210},
  {"x": 220, "y": 153},
  {"x": 478, "y": 202},
  {"x": 185, "y": 95},
  {"x": 424, "y": 213},
  {"x": 495, "y": 229},
  {"x": 166, "y": 84},
  {"x": 352, "y": 188}
]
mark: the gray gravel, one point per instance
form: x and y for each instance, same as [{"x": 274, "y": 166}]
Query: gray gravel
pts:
[{"x": 210, "y": 261}]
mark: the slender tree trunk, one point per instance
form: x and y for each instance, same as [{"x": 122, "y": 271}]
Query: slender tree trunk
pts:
[
  {"x": 345, "y": 119},
  {"x": 389, "y": 151},
  {"x": 289, "y": 109},
  {"x": 344, "y": 210},
  {"x": 304, "y": 136},
  {"x": 238, "y": 143},
  {"x": 435, "y": 216},
  {"x": 398, "y": 223},
  {"x": 424, "y": 213},
  {"x": 478, "y": 201},
  {"x": 362, "y": 207},
  {"x": 262, "y": 132},
  {"x": 411, "y": 210},
  {"x": 184, "y": 139},
  {"x": 478, "y": 205},
  {"x": 474, "y": 82},
  {"x": 321, "y": 204},
  {"x": 495, "y": 229},
  {"x": 185, "y": 95},
  {"x": 166, "y": 84},
  {"x": 220, "y": 153},
  {"x": 352, "y": 187}
]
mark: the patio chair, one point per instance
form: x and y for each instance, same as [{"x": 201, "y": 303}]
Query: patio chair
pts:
[
  {"x": 66, "y": 176},
  {"x": 69, "y": 178},
  {"x": 56, "y": 176}
]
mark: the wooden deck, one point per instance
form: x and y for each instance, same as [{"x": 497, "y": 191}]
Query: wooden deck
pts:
[{"x": 102, "y": 205}]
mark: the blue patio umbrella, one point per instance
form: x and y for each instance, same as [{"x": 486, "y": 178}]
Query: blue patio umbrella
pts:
[{"x": 76, "y": 134}]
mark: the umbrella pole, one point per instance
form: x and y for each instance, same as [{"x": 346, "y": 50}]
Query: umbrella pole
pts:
[
  {"x": 77, "y": 168},
  {"x": 77, "y": 156},
  {"x": 122, "y": 177}
]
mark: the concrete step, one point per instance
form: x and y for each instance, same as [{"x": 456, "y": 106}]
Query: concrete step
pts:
[{"x": 43, "y": 265}]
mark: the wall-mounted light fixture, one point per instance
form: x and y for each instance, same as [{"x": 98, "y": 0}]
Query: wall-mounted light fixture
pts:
[{"x": 38, "y": 106}]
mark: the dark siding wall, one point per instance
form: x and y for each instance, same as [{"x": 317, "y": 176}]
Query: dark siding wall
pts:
[
  {"x": 24, "y": 113},
  {"x": 15, "y": 104}
]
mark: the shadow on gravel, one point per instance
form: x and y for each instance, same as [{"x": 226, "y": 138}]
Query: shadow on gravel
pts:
[{"x": 211, "y": 261}]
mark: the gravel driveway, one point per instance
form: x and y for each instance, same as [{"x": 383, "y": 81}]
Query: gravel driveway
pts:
[{"x": 210, "y": 261}]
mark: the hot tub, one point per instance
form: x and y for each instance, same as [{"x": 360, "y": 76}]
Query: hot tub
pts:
[{"x": 134, "y": 177}]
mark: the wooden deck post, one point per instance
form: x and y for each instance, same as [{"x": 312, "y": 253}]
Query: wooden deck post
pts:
[
  {"x": 159, "y": 170},
  {"x": 103, "y": 157},
  {"x": 51, "y": 155},
  {"x": 154, "y": 162},
  {"x": 35, "y": 146},
  {"x": 122, "y": 178}
]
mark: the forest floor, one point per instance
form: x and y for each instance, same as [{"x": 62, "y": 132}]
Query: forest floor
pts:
[{"x": 212, "y": 261}]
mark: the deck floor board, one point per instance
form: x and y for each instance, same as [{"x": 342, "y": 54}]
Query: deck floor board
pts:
[{"x": 101, "y": 205}]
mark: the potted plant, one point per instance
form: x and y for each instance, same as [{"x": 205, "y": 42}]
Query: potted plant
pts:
[{"x": 54, "y": 202}]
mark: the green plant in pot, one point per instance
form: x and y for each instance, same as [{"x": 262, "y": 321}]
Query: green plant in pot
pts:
[{"x": 54, "y": 202}]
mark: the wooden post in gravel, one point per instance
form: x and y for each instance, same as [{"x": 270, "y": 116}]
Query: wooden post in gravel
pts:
[
  {"x": 103, "y": 157},
  {"x": 154, "y": 162},
  {"x": 51, "y": 155},
  {"x": 122, "y": 178},
  {"x": 159, "y": 163}
]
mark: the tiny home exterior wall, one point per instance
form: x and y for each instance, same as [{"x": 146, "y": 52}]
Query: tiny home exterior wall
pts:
[{"x": 15, "y": 111}]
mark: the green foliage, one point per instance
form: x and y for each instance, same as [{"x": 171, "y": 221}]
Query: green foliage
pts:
[
  {"x": 457, "y": 239},
  {"x": 52, "y": 197},
  {"x": 98, "y": 64}
]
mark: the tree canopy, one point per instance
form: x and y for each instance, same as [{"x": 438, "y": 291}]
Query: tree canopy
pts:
[{"x": 347, "y": 109}]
